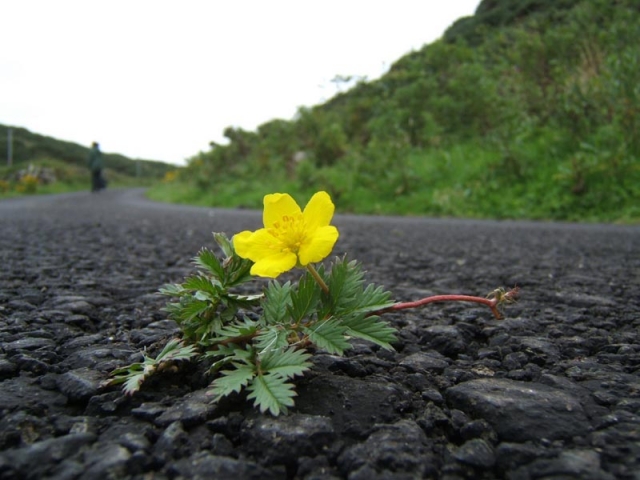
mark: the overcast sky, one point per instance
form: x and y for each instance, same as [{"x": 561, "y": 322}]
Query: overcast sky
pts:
[{"x": 161, "y": 79}]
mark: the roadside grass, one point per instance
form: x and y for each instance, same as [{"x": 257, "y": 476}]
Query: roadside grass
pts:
[
  {"x": 537, "y": 179},
  {"x": 242, "y": 192},
  {"x": 68, "y": 178}
]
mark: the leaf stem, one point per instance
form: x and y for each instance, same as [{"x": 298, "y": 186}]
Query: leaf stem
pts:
[
  {"x": 495, "y": 298},
  {"x": 314, "y": 273}
]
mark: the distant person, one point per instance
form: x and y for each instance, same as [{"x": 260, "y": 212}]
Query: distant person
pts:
[{"x": 96, "y": 165}]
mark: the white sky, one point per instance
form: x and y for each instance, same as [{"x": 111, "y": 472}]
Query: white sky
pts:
[{"x": 159, "y": 79}]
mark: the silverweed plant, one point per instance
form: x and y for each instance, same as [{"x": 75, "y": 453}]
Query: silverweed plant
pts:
[{"x": 260, "y": 342}]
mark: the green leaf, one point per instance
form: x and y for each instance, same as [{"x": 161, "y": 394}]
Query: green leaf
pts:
[
  {"x": 225, "y": 244},
  {"x": 171, "y": 289},
  {"x": 244, "y": 299},
  {"x": 193, "y": 308},
  {"x": 229, "y": 353},
  {"x": 372, "y": 299},
  {"x": 348, "y": 295},
  {"x": 372, "y": 329},
  {"x": 134, "y": 383},
  {"x": 207, "y": 260},
  {"x": 328, "y": 335},
  {"x": 286, "y": 363},
  {"x": 245, "y": 329},
  {"x": 304, "y": 299},
  {"x": 271, "y": 338},
  {"x": 202, "y": 283},
  {"x": 135, "y": 374},
  {"x": 271, "y": 392},
  {"x": 277, "y": 299},
  {"x": 232, "y": 380},
  {"x": 134, "y": 367},
  {"x": 176, "y": 350}
]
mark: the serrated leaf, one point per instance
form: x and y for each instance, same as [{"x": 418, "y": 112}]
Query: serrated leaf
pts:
[
  {"x": 232, "y": 380},
  {"x": 372, "y": 299},
  {"x": 271, "y": 392},
  {"x": 224, "y": 243},
  {"x": 286, "y": 363},
  {"x": 135, "y": 374},
  {"x": 304, "y": 299},
  {"x": 245, "y": 298},
  {"x": 125, "y": 370},
  {"x": 176, "y": 350},
  {"x": 201, "y": 283},
  {"x": 207, "y": 260},
  {"x": 133, "y": 383},
  {"x": 171, "y": 289},
  {"x": 328, "y": 335},
  {"x": 229, "y": 353},
  {"x": 203, "y": 296},
  {"x": 271, "y": 339},
  {"x": 277, "y": 298},
  {"x": 372, "y": 329},
  {"x": 343, "y": 279},
  {"x": 245, "y": 329}
]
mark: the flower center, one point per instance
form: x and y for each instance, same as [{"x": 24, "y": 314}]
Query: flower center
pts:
[{"x": 290, "y": 231}]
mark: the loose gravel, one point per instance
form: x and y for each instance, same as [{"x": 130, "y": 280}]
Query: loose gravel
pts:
[{"x": 551, "y": 392}]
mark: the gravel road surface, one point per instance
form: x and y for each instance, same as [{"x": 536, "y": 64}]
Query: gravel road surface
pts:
[{"x": 551, "y": 392}]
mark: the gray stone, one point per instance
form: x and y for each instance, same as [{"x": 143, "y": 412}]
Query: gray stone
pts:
[
  {"x": 512, "y": 455},
  {"x": 34, "y": 461},
  {"x": 283, "y": 439},
  {"x": 192, "y": 409},
  {"x": 29, "y": 343},
  {"x": 7, "y": 368},
  {"x": 477, "y": 453},
  {"x": 521, "y": 411},
  {"x": 351, "y": 403},
  {"x": 417, "y": 362},
  {"x": 148, "y": 410},
  {"x": 107, "y": 461},
  {"x": 540, "y": 347},
  {"x": 97, "y": 357},
  {"x": 205, "y": 466},
  {"x": 17, "y": 394},
  {"x": 76, "y": 306},
  {"x": 446, "y": 339},
  {"x": 20, "y": 428},
  {"x": 23, "y": 305},
  {"x": 582, "y": 464},
  {"x": 80, "y": 384},
  {"x": 401, "y": 448},
  {"x": 173, "y": 443}
]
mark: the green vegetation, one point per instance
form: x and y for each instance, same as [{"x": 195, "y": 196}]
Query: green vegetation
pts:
[
  {"x": 262, "y": 353},
  {"x": 529, "y": 109},
  {"x": 45, "y": 165},
  {"x": 255, "y": 345}
]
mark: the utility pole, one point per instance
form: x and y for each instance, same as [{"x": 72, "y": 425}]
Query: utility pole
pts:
[{"x": 9, "y": 146}]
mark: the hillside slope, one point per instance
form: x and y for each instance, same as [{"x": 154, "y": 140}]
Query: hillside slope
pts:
[
  {"x": 30, "y": 147},
  {"x": 528, "y": 109}
]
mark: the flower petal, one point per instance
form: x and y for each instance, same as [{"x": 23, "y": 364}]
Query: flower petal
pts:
[
  {"x": 274, "y": 265},
  {"x": 318, "y": 211},
  {"x": 276, "y": 206},
  {"x": 319, "y": 245},
  {"x": 256, "y": 245}
]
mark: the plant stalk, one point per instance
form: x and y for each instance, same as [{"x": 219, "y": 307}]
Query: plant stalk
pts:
[
  {"x": 493, "y": 301},
  {"x": 314, "y": 273}
]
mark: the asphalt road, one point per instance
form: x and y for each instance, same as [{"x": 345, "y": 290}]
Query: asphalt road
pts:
[{"x": 552, "y": 391}]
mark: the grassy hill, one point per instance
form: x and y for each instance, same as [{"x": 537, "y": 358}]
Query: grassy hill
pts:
[
  {"x": 65, "y": 163},
  {"x": 528, "y": 109}
]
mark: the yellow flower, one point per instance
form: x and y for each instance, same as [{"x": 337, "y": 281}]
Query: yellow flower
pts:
[{"x": 290, "y": 237}]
